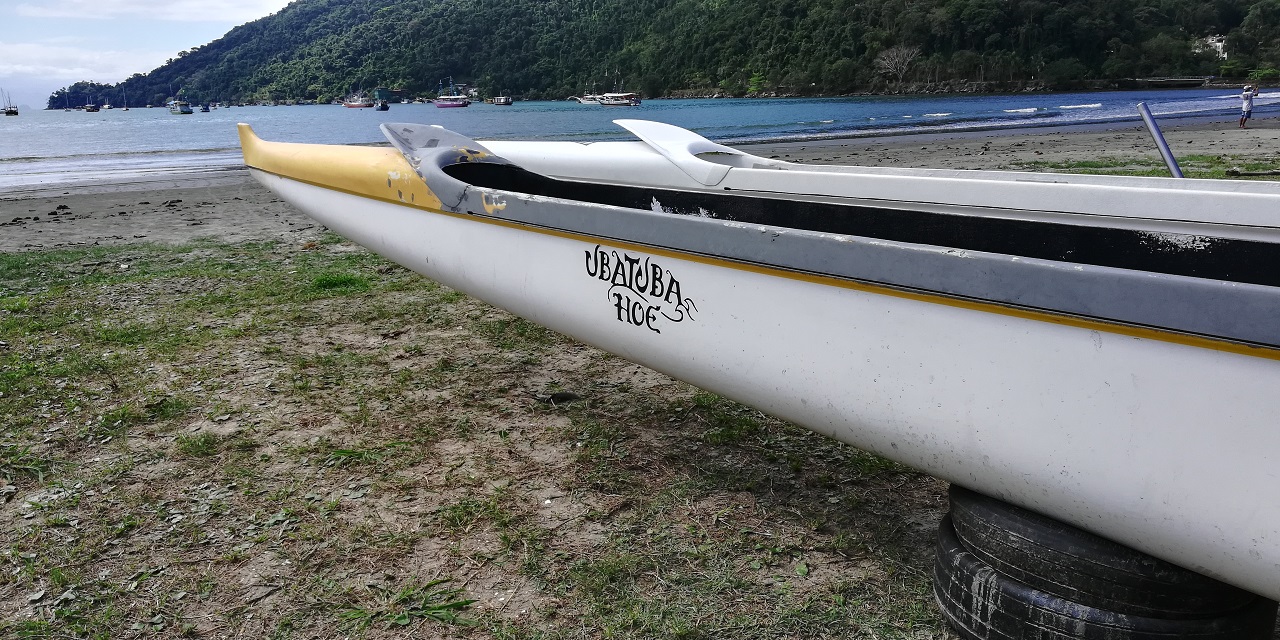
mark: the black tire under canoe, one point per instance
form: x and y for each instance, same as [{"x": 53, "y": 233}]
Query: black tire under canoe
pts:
[
  {"x": 981, "y": 603},
  {"x": 1057, "y": 558}
]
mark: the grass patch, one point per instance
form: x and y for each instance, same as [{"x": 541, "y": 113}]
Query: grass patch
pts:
[
  {"x": 21, "y": 463},
  {"x": 430, "y": 601},
  {"x": 468, "y": 512},
  {"x": 378, "y": 430},
  {"x": 200, "y": 445},
  {"x": 340, "y": 283}
]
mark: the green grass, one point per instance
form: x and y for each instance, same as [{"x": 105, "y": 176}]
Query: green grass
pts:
[
  {"x": 381, "y": 434},
  {"x": 340, "y": 283},
  {"x": 198, "y": 446},
  {"x": 431, "y": 601},
  {"x": 19, "y": 462}
]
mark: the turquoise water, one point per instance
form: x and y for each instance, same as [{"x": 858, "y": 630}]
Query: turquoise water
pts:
[{"x": 48, "y": 147}]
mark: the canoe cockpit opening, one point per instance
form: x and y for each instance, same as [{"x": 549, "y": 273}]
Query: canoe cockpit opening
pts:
[{"x": 1217, "y": 258}]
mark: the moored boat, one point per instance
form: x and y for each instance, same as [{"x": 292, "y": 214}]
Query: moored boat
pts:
[
  {"x": 453, "y": 99},
  {"x": 357, "y": 101},
  {"x": 449, "y": 101},
  {"x": 10, "y": 109},
  {"x": 619, "y": 100},
  {"x": 1100, "y": 349},
  {"x": 180, "y": 107},
  {"x": 503, "y": 100}
]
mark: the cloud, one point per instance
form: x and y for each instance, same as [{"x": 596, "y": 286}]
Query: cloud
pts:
[
  {"x": 235, "y": 11},
  {"x": 72, "y": 64}
]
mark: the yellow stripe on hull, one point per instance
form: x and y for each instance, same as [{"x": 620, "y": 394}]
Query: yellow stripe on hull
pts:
[{"x": 373, "y": 172}]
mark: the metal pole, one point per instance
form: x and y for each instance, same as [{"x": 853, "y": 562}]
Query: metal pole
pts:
[{"x": 1159, "y": 139}]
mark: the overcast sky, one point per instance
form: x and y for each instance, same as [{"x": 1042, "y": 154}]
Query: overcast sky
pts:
[{"x": 49, "y": 44}]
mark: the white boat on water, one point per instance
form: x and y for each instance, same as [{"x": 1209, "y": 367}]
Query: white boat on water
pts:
[
  {"x": 455, "y": 98},
  {"x": 589, "y": 98},
  {"x": 619, "y": 100},
  {"x": 449, "y": 101},
  {"x": 1104, "y": 350}
]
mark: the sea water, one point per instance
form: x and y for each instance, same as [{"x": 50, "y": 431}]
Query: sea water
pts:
[{"x": 51, "y": 147}]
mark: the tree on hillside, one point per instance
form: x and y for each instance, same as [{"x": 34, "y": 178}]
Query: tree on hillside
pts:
[{"x": 896, "y": 61}]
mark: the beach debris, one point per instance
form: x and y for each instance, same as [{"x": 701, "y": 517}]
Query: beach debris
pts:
[
  {"x": 560, "y": 397},
  {"x": 62, "y": 207}
]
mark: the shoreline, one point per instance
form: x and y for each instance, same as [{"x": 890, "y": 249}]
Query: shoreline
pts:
[{"x": 225, "y": 204}]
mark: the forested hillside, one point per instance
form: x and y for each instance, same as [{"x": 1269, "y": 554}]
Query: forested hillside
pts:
[{"x": 322, "y": 49}]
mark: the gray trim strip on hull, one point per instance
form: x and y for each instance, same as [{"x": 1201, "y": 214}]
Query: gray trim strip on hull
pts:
[{"x": 1230, "y": 310}]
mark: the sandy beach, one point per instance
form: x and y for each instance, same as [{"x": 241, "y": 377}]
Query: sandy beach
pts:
[{"x": 228, "y": 206}]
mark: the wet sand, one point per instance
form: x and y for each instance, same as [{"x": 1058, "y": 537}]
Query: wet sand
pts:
[{"x": 229, "y": 206}]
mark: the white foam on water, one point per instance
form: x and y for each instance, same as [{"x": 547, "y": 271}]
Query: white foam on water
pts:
[
  {"x": 1081, "y": 106},
  {"x": 1027, "y": 110},
  {"x": 938, "y": 115}
]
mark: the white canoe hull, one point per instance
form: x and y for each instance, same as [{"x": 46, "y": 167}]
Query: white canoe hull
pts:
[{"x": 1165, "y": 446}]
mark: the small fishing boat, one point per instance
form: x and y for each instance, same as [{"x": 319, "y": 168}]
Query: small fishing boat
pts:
[
  {"x": 451, "y": 100},
  {"x": 503, "y": 100},
  {"x": 383, "y": 105},
  {"x": 620, "y": 100},
  {"x": 92, "y": 108},
  {"x": 358, "y": 101},
  {"x": 1103, "y": 350},
  {"x": 10, "y": 109},
  {"x": 180, "y": 107}
]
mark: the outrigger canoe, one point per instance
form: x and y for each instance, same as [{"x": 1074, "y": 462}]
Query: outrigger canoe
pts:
[{"x": 1102, "y": 350}]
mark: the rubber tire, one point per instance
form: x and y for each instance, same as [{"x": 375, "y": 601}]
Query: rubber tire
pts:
[
  {"x": 1056, "y": 558},
  {"x": 981, "y": 603}
]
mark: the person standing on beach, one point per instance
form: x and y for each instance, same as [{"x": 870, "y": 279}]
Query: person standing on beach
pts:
[{"x": 1246, "y": 107}]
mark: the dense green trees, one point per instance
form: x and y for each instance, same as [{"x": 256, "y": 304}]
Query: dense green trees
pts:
[{"x": 324, "y": 49}]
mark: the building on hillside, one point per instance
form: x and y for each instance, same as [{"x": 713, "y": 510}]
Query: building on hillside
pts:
[{"x": 1216, "y": 44}]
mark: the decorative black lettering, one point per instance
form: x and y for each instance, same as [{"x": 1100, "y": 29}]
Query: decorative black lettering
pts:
[
  {"x": 656, "y": 287},
  {"x": 649, "y": 317},
  {"x": 619, "y": 278},
  {"x": 673, "y": 289},
  {"x": 617, "y": 303},
  {"x": 604, "y": 264},
  {"x": 635, "y": 284},
  {"x": 642, "y": 277}
]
